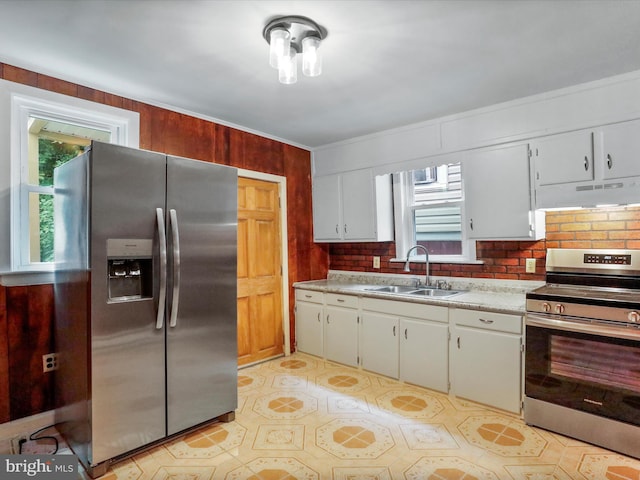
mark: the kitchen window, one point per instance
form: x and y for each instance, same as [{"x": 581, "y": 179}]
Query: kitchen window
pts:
[
  {"x": 429, "y": 207},
  {"x": 44, "y": 136}
]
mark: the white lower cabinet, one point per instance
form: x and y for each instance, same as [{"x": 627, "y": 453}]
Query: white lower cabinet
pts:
[
  {"x": 309, "y": 313},
  {"x": 341, "y": 329},
  {"x": 481, "y": 360},
  {"x": 486, "y": 358},
  {"x": 379, "y": 343},
  {"x": 407, "y": 341},
  {"x": 424, "y": 353}
]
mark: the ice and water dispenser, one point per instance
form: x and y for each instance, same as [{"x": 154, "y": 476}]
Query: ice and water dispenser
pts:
[{"x": 130, "y": 269}]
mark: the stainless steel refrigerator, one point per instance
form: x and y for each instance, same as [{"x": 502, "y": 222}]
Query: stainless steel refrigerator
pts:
[{"x": 145, "y": 297}]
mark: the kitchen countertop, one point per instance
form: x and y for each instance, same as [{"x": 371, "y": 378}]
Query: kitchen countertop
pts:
[{"x": 496, "y": 296}]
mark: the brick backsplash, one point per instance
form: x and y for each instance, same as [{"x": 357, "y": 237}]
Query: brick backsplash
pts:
[{"x": 612, "y": 227}]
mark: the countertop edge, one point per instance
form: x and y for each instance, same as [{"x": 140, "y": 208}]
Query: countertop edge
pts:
[{"x": 491, "y": 304}]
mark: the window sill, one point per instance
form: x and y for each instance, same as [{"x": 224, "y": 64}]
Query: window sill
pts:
[
  {"x": 440, "y": 259},
  {"x": 25, "y": 278}
]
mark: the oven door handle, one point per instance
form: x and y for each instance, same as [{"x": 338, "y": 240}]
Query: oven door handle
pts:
[{"x": 591, "y": 328}]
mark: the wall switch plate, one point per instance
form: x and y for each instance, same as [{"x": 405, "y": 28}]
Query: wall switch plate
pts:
[
  {"x": 376, "y": 262},
  {"x": 530, "y": 265},
  {"x": 49, "y": 362}
]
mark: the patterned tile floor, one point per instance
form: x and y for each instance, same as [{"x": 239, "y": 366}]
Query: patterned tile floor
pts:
[{"x": 303, "y": 418}]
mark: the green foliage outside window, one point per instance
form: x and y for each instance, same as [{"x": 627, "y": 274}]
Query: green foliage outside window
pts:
[{"x": 51, "y": 154}]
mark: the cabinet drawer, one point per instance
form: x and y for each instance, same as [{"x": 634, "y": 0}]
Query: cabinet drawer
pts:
[
  {"x": 501, "y": 322},
  {"x": 340, "y": 300},
  {"x": 407, "y": 309},
  {"x": 309, "y": 296}
]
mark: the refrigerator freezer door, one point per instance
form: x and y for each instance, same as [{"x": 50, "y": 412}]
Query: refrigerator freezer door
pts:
[
  {"x": 201, "y": 338},
  {"x": 127, "y": 351}
]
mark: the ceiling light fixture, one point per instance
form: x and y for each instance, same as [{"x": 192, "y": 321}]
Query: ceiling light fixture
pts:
[{"x": 289, "y": 36}]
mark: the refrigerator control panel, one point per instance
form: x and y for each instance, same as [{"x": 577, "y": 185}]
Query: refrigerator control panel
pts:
[{"x": 129, "y": 247}]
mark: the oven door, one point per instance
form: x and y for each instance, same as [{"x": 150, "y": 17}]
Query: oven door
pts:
[{"x": 584, "y": 365}]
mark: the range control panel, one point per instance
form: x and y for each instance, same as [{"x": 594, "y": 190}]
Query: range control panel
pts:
[
  {"x": 625, "y": 262},
  {"x": 606, "y": 259}
]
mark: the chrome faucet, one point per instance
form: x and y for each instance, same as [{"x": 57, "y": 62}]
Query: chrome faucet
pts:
[{"x": 426, "y": 256}]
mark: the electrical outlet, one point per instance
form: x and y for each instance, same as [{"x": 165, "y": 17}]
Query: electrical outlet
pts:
[
  {"x": 49, "y": 362},
  {"x": 16, "y": 441},
  {"x": 376, "y": 262},
  {"x": 530, "y": 265}
]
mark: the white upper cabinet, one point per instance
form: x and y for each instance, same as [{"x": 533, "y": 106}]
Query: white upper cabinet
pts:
[
  {"x": 327, "y": 208},
  {"x": 589, "y": 167},
  {"x": 352, "y": 206},
  {"x": 358, "y": 206},
  {"x": 563, "y": 158},
  {"x": 497, "y": 194},
  {"x": 618, "y": 146}
]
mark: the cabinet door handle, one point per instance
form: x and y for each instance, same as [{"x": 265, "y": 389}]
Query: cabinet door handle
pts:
[
  {"x": 485, "y": 321},
  {"x": 458, "y": 341},
  {"x": 405, "y": 333},
  {"x": 328, "y": 318},
  {"x": 308, "y": 296},
  {"x": 586, "y": 163},
  {"x": 471, "y": 223},
  {"x": 609, "y": 161},
  {"x": 318, "y": 316},
  {"x": 337, "y": 230},
  {"x": 341, "y": 300},
  {"x": 345, "y": 228},
  {"x": 394, "y": 330}
]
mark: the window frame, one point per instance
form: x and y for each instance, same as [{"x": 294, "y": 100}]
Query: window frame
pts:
[
  {"x": 123, "y": 129},
  {"x": 404, "y": 208}
]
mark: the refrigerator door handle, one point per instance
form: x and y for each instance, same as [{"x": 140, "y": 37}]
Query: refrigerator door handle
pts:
[
  {"x": 162, "y": 236},
  {"x": 173, "y": 217}
]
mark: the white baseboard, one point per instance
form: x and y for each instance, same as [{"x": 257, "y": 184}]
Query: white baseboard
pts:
[{"x": 22, "y": 426}]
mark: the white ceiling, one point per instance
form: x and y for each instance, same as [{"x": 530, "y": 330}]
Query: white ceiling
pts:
[{"x": 386, "y": 63}]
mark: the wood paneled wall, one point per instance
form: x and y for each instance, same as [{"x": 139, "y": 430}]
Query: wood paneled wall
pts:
[
  {"x": 30, "y": 336},
  {"x": 5, "y": 400},
  {"x": 23, "y": 391}
]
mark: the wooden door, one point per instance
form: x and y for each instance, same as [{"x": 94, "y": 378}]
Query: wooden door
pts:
[{"x": 260, "y": 334}]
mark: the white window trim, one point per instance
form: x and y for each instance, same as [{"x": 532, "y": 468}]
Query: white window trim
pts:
[
  {"x": 124, "y": 128},
  {"x": 403, "y": 217}
]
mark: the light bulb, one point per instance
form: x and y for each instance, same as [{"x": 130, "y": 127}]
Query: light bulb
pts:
[
  {"x": 279, "y": 45},
  {"x": 288, "y": 68},
  {"x": 311, "y": 57}
]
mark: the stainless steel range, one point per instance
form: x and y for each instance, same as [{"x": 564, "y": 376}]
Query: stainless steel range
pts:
[{"x": 582, "y": 363}]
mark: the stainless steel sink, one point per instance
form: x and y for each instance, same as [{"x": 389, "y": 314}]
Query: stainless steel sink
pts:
[
  {"x": 434, "y": 292},
  {"x": 415, "y": 291},
  {"x": 392, "y": 289}
]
